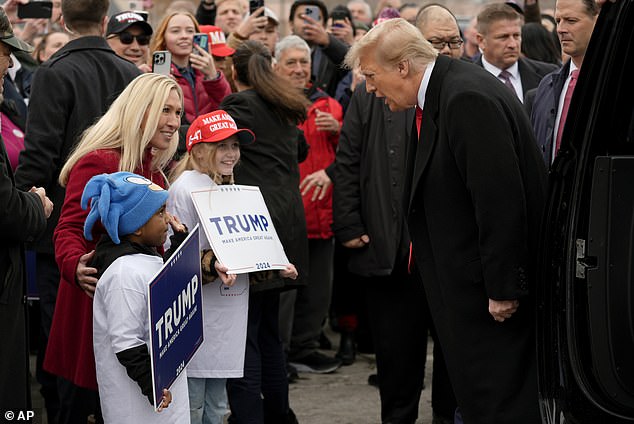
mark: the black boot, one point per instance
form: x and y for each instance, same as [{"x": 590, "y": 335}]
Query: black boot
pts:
[
  {"x": 346, "y": 353},
  {"x": 291, "y": 418}
]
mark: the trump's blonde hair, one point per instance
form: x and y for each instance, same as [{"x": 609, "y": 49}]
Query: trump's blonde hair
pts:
[{"x": 392, "y": 42}]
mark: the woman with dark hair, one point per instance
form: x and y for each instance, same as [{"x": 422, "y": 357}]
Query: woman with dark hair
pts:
[
  {"x": 538, "y": 44},
  {"x": 265, "y": 104}
]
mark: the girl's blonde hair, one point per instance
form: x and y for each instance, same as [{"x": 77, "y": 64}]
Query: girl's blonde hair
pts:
[
  {"x": 201, "y": 158},
  {"x": 129, "y": 125},
  {"x": 158, "y": 42}
]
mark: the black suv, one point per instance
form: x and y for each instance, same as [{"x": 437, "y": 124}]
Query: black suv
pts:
[{"x": 586, "y": 281}]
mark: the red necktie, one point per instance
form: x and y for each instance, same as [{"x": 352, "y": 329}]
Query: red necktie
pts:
[
  {"x": 564, "y": 110},
  {"x": 419, "y": 119}
]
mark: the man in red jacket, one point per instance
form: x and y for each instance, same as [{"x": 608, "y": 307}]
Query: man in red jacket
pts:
[{"x": 303, "y": 312}]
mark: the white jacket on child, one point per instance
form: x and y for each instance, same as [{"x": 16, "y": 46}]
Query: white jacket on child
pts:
[
  {"x": 120, "y": 322},
  {"x": 225, "y": 309}
]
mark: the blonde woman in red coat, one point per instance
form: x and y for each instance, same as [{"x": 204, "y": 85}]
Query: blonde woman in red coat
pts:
[{"x": 137, "y": 134}]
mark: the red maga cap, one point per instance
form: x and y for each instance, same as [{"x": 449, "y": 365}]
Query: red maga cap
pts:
[
  {"x": 217, "y": 41},
  {"x": 215, "y": 127}
]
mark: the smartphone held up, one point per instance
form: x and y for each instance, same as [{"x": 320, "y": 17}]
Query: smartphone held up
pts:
[
  {"x": 255, "y": 5},
  {"x": 35, "y": 10},
  {"x": 313, "y": 12},
  {"x": 161, "y": 62},
  {"x": 201, "y": 40}
]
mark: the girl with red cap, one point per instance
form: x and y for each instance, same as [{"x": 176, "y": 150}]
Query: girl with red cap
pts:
[{"x": 213, "y": 149}]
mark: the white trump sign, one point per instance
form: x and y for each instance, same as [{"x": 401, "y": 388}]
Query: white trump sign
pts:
[{"x": 239, "y": 228}]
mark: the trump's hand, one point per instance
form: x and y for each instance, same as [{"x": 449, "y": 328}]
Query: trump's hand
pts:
[
  {"x": 501, "y": 310},
  {"x": 357, "y": 243}
]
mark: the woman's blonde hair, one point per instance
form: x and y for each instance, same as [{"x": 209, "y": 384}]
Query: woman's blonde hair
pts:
[
  {"x": 129, "y": 125},
  {"x": 158, "y": 42},
  {"x": 201, "y": 158}
]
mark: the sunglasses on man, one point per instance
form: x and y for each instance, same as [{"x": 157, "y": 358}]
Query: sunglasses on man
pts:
[{"x": 128, "y": 38}]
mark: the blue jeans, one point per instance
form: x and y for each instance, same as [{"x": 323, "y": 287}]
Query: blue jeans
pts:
[{"x": 207, "y": 400}]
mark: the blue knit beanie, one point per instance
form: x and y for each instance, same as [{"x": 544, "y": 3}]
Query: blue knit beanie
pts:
[{"x": 123, "y": 201}]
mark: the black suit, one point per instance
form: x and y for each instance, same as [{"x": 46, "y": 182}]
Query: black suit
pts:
[
  {"x": 22, "y": 219},
  {"x": 475, "y": 205},
  {"x": 531, "y": 71},
  {"x": 368, "y": 199}
]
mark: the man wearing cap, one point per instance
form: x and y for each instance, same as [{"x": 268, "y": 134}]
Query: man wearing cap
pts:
[
  {"x": 22, "y": 218},
  {"x": 499, "y": 38},
  {"x": 69, "y": 91},
  {"x": 129, "y": 35}
]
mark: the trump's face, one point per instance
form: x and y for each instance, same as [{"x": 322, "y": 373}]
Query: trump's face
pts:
[{"x": 388, "y": 81}]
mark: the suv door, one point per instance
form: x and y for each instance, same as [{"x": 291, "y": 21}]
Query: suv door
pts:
[{"x": 586, "y": 282}]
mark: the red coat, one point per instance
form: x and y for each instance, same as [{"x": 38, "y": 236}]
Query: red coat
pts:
[
  {"x": 209, "y": 93},
  {"x": 70, "y": 353},
  {"x": 323, "y": 146}
]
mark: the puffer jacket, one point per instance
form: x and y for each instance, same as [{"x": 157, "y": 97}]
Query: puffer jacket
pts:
[
  {"x": 207, "y": 94},
  {"x": 323, "y": 146}
]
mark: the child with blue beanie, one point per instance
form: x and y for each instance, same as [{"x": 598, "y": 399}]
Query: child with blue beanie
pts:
[{"x": 132, "y": 210}]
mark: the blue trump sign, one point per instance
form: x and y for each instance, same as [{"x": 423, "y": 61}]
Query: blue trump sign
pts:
[{"x": 175, "y": 310}]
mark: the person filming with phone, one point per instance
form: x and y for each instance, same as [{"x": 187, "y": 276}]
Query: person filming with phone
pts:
[
  {"x": 35, "y": 17},
  {"x": 261, "y": 25},
  {"x": 340, "y": 24},
  {"x": 203, "y": 85},
  {"x": 308, "y": 21}
]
